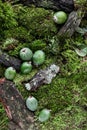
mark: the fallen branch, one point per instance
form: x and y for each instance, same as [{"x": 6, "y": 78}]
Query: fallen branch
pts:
[
  {"x": 42, "y": 77},
  {"x": 20, "y": 117},
  {"x": 8, "y": 61}
]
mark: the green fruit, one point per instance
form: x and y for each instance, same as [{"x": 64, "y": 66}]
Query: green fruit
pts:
[
  {"x": 38, "y": 57},
  {"x": 26, "y": 67},
  {"x": 31, "y": 103},
  {"x": 26, "y": 54},
  {"x": 10, "y": 73},
  {"x": 44, "y": 115},
  {"x": 60, "y": 17}
]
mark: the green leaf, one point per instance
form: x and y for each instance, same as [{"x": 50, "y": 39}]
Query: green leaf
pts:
[{"x": 81, "y": 52}]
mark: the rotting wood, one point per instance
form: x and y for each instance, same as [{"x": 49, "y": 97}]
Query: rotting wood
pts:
[
  {"x": 8, "y": 61},
  {"x": 65, "y": 5},
  {"x": 42, "y": 77},
  {"x": 20, "y": 117}
]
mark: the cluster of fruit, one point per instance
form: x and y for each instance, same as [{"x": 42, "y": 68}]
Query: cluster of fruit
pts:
[
  {"x": 26, "y": 55},
  {"x": 32, "y": 105},
  {"x": 38, "y": 58}
]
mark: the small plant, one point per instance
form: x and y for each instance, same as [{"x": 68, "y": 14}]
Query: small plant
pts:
[
  {"x": 54, "y": 47},
  {"x": 60, "y": 17},
  {"x": 81, "y": 52},
  {"x": 31, "y": 103},
  {"x": 10, "y": 43},
  {"x": 82, "y": 31},
  {"x": 10, "y": 73}
]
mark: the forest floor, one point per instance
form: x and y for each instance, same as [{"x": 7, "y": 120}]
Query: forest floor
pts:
[{"x": 66, "y": 96}]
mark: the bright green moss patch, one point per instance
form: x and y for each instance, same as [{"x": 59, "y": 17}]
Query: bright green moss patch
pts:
[
  {"x": 32, "y": 23},
  {"x": 72, "y": 117},
  {"x": 37, "y": 21},
  {"x": 7, "y": 18},
  {"x": 62, "y": 92},
  {"x": 71, "y": 61},
  {"x": 37, "y": 45}
]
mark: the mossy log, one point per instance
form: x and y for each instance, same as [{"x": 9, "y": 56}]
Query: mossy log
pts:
[
  {"x": 42, "y": 77},
  {"x": 8, "y": 61},
  {"x": 20, "y": 117},
  {"x": 66, "y": 5}
]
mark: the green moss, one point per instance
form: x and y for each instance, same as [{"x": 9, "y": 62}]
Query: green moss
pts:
[
  {"x": 66, "y": 98},
  {"x": 81, "y": 2},
  {"x": 71, "y": 61},
  {"x": 73, "y": 117},
  {"x": 7, "y": 18},
  {"x": 3, "y": 121},
  {"x": 53, "y": 46},
  {"x": 16, "y": 50},
  {"x": 20, "y": 33},
  {"x": 37, "y": 21},
  {"x": 61, "y": 93},
  {"x": 9, "y": 44},
  {"x": 37, "y": 45},
  {"x": 26, "y": 24}
]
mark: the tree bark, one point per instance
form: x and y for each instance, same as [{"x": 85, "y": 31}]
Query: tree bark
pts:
[
  {"x": 20, "y": 117},
  {"x": 66, "y": 5},
  {"x": 8, "y": 61},
  {"x": 42, "y": 77}
]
